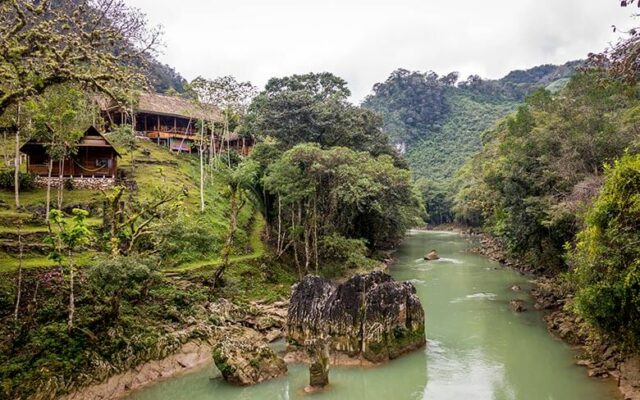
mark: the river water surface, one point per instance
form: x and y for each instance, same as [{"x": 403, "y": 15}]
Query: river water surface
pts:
[{"x": 477, "y": 347}]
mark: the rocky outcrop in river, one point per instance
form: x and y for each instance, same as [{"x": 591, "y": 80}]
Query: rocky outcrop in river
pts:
[
  {"x": 369, "y": 316},
  {"x": 243, "y": 359}
]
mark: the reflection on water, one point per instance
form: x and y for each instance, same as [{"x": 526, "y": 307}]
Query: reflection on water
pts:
[{"x": 477, "y": 349}]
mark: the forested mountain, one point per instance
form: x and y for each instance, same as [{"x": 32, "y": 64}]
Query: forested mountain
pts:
[
  {"x": 438, "y": 121},
  {"x": 163, "y": 78}
]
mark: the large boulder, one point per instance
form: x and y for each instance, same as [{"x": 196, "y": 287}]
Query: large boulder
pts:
[
  {"x": 245, "y": 360},
  {"x": 369, "y": 315}
]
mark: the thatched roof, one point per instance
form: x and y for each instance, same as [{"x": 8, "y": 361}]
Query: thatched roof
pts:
[
  {"x": 92, "y": 137},
  {"x": 153, "y": 103}
]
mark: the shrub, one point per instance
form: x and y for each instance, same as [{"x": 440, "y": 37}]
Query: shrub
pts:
[
  {"x": 351, "y": 252},
  {"x": 26, "y": 180},
  {"x": 69, "y": 184}
]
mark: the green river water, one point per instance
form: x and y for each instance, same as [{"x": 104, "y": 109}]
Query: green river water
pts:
[{"x": 477, "y": 347}]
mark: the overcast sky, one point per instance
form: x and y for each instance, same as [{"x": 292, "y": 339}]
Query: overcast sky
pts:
[{"x": 365, "y": 40}]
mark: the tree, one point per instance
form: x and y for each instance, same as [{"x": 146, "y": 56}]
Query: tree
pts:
[
  {"x": 66, "y": 239},
  {"x": 123, "y": 136},
  {"x": 606, "y": 258},
  {"x": 412, "y": 103},
  {"x": 341, "y": 194},
  {"x": 239, "y": 182},
  {"x": 98, "y": 43},
  {"x": 60, "y": 115},
  {"x": 314, "y": 108},
  {"x": 128, "y": 220},
  {"x": 231, "y": 96}
]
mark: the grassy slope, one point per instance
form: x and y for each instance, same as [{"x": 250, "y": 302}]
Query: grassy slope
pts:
[
  {"x": 440, "y": 154},
  {"x": 159, "y": 168}
]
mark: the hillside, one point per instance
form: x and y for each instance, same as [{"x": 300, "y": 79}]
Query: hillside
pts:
[
  {"x": 155, "y": 167},
  {"x": 438, "y": 122}
]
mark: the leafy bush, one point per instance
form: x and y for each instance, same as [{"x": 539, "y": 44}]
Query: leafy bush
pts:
[
  {"x": 607, "y": 255},
  {"x": 192, "y": 238},
  {"x": 69, "y": 184},
  {"x": 26, "y": 180},
  {"x": 351, "y": 252}
]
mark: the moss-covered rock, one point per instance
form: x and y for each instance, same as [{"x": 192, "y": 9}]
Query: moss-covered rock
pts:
[{"x": 243, "y": 360}]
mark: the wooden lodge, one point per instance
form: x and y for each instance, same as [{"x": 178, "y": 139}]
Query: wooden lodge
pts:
[
  {"x": 95, "y": 157},
  {"x": 173, "y": 122}
]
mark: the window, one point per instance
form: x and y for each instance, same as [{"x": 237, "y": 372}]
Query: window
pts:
[{"x": 103, "y": 162}]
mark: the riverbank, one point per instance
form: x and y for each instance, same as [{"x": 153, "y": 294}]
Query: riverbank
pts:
[
  {"x": 600, "y": 356},
  {"x": 258, "y": 320}
]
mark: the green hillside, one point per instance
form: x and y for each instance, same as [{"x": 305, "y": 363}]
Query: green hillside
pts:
[
  {"x": 196, "y": 240},
  {"x": 440, "y": 154},
  {"x": 438, "y": 121}
]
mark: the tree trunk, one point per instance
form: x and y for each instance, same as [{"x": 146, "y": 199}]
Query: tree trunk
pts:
[
  {"x": 72, "y": 301},
  {"x": 228, "y": 245},
  {"x": 315, "y": 231},
  {"x": 60, "y": 183},
  {"x": 201, "y": 167},
  {"x": 48, "y": 201},
  {"x": 16, "y": 174},
  {"x": 226, "y": 128},
  {"x": 295, "y": 245},
  {"x": 19, "y": 288},
  {"x": 279, "y": 244},
  {"x": 5, "y": 154},
  {"x": 306, "y": 232}
]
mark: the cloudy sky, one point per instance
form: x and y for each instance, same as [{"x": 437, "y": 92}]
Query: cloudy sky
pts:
[{"x": 364, "y": 40}]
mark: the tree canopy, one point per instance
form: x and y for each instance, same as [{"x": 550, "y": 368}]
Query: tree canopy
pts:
[
  {"x": 99, "y": 43},
  {"x": 314, "y": 108}
]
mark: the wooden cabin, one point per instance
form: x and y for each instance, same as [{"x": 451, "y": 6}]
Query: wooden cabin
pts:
[
  {"x": 167, "y": 120},
  {"x": 95, "y": 157},
  {"x": 172, "y": 122}
]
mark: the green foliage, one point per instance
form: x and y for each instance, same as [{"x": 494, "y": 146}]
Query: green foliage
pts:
[
  {"x": 540, "y": 166},
  {"x": 117, "y": 279},
  {"x": 60, "y": 117},
  {"x": 350, "y": 253},
  {"x": 340, "y": 191},
  {"x": 108, "y": 41},
  {"x": 314, "y": 108},
  {"x": 67, "y": 236},
  {"x": 123, "y": 136},
  {"x": 25, "y": 179},
  {"x": 606, "y": 257},
  {"x": 411, "y": 103},
  {"x": 440, "y": 124}
]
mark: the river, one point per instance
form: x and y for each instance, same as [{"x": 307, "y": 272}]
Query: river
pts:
[{"x": 477, "y": 347}]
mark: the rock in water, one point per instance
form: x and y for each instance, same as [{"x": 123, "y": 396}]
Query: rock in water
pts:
[
  {"x": 369, "y": 315},
  {"x": 432, "y": 255},
  {"x": 245, "y": 361},
  {"x": 319, "y": 368},
  {"x": 517, "y": 306}
]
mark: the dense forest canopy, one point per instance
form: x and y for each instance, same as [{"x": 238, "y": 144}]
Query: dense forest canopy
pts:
[{"x": 438, "y": 121}]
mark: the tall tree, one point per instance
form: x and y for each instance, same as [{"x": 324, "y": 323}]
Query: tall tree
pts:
[
  {"x": 60, "y": 115},
  {"x": 231, "y": 96},
  {"x": 239, "y": 183},
  {"x": 44, "y": 43},
  {"x": 66, "y": 239},
  {"x": 314, "y": 108}
]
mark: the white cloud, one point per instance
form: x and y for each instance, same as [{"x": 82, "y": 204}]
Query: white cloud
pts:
[{"x": 364, "y": 40}]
